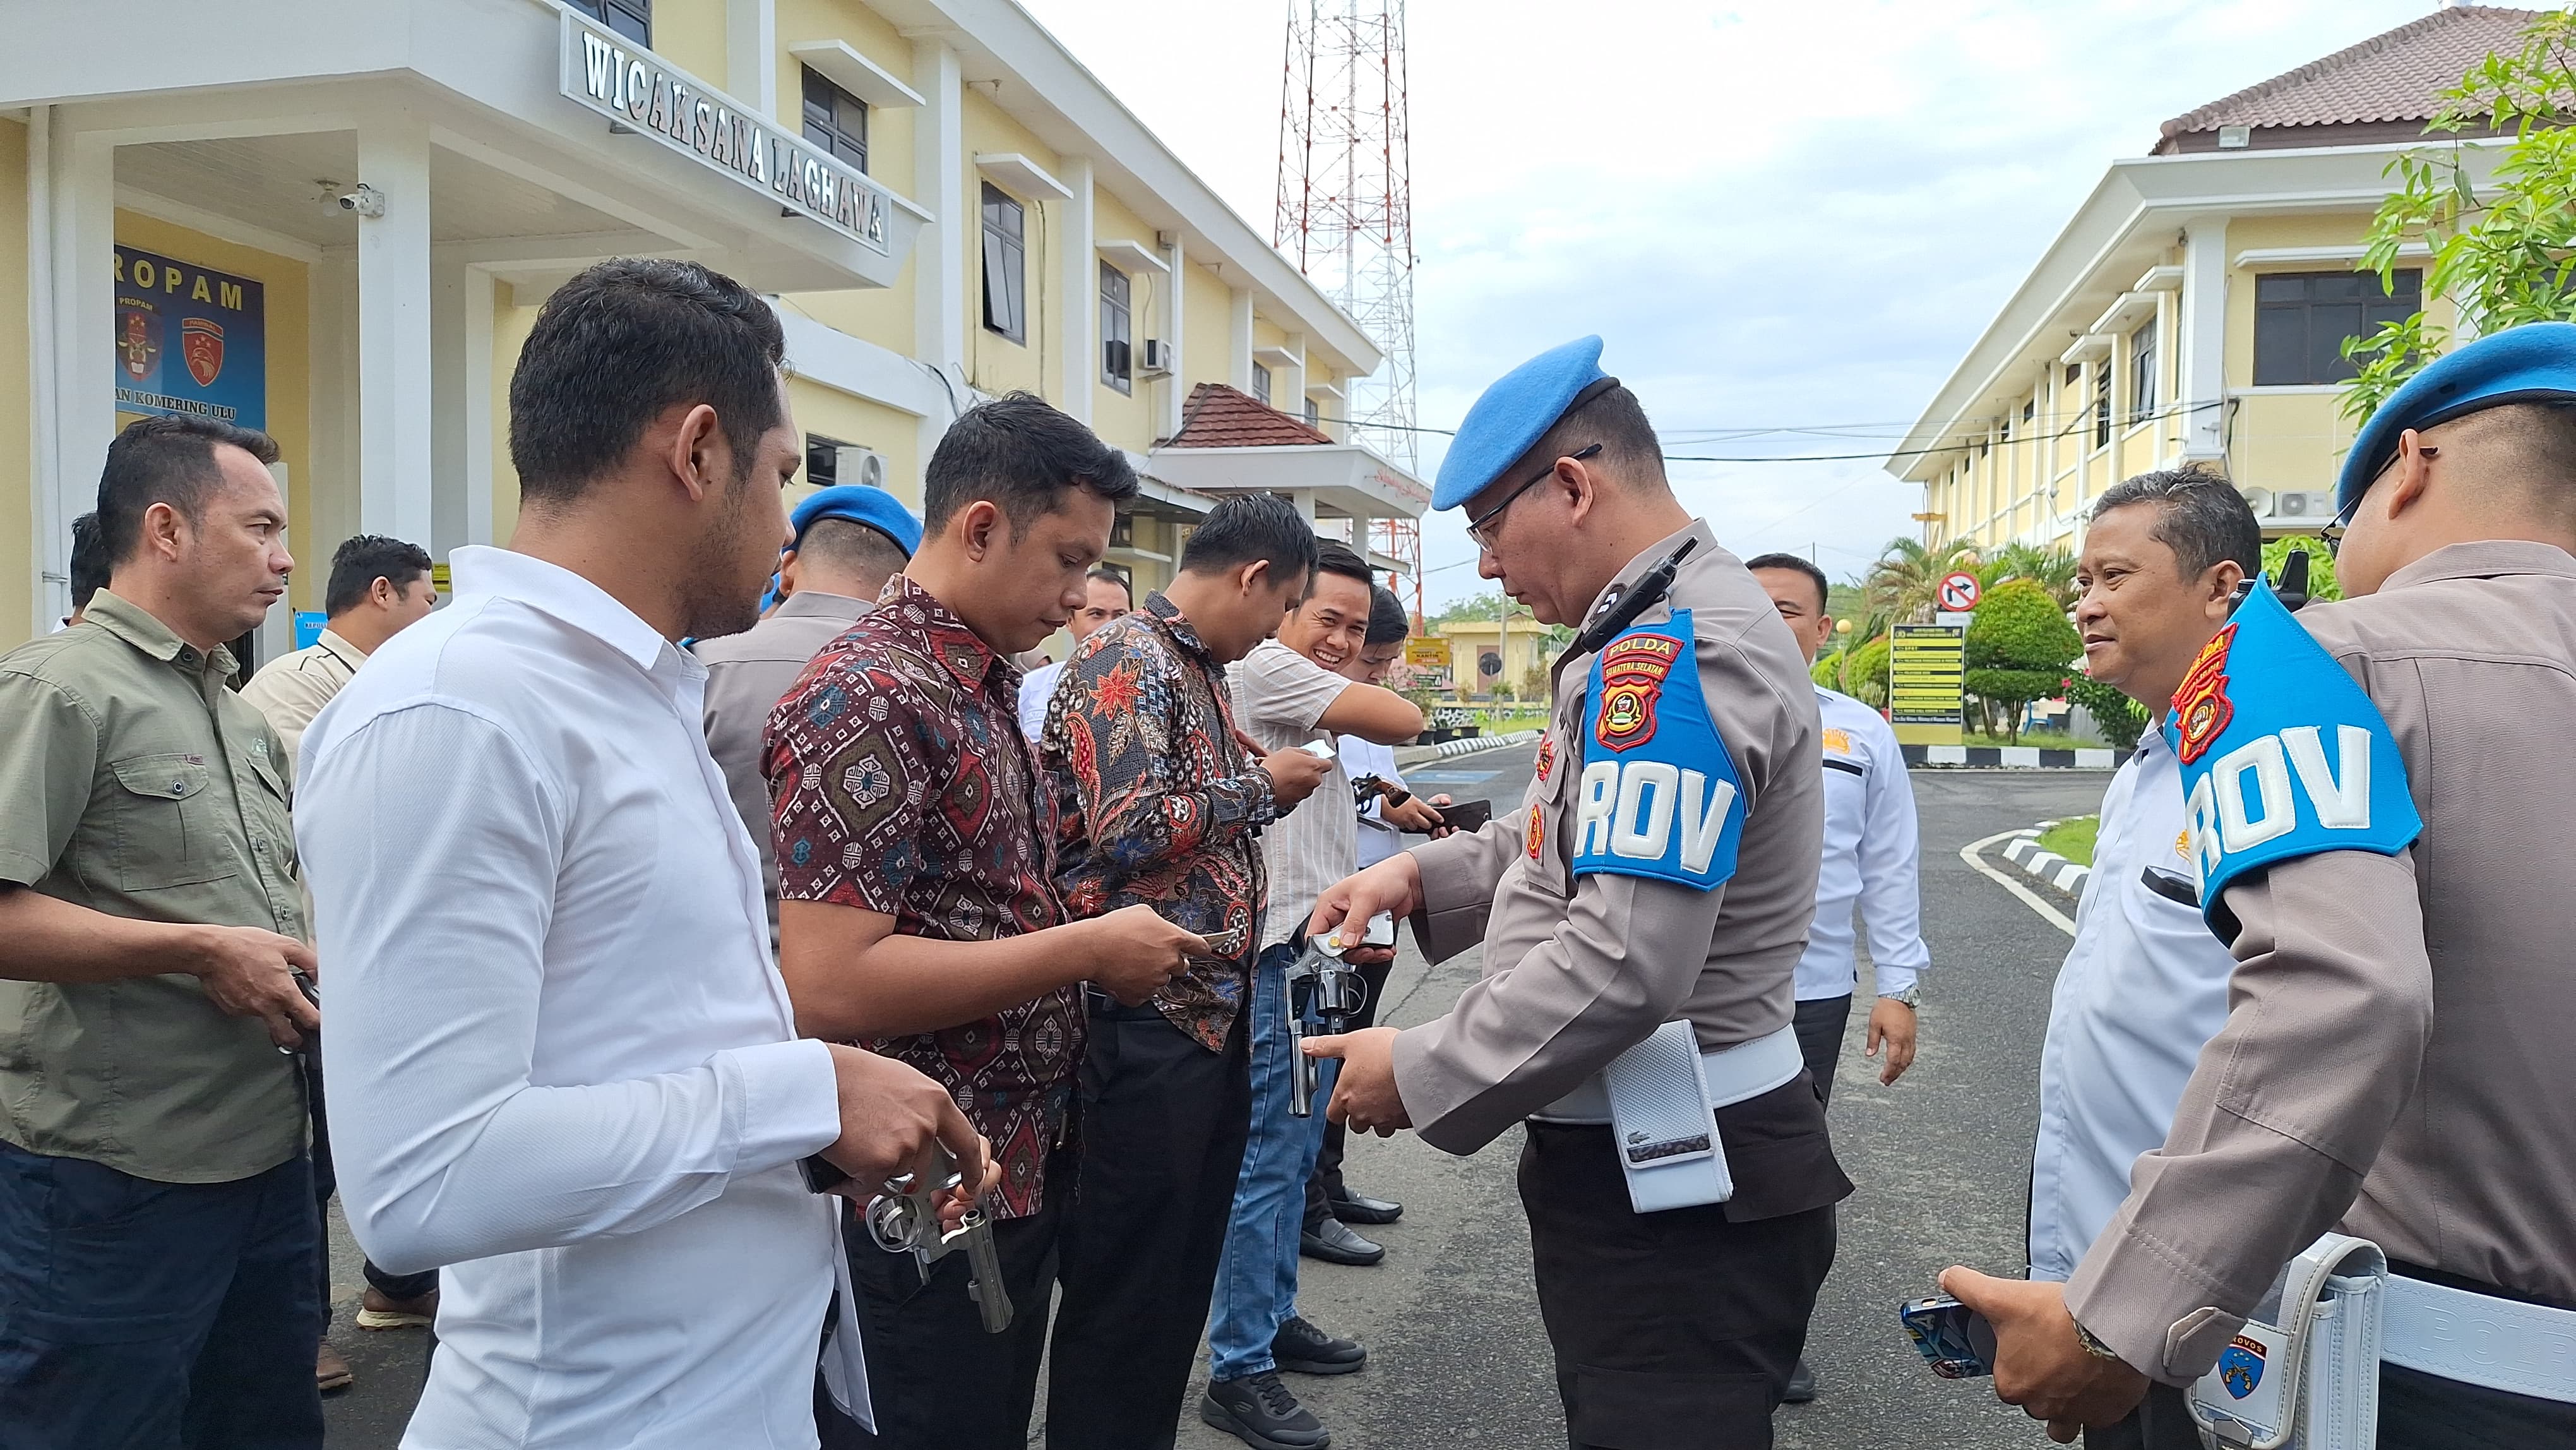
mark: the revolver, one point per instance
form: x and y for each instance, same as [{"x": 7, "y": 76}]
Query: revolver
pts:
[
  {"x": 1323, "y": 994},
  {"x": 905, "y": 1219}
]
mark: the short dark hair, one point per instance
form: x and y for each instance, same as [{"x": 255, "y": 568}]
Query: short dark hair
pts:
[
  {"x": 89, "y": 560},
  {"x": 2528, "y": 447},
  {"x": 1107, "y": 575},
  {"x": 2199, "y": 515},
  {"x": 169, "y": 458},
  {"x": 362, "y": 560},
  {"x": 1612, "y": 418},
  {"x": 620, "y": 343},
  {"x": 1388, "y": 622},
  {"x": 1251, "y": 526},
  {"x": 847, "y": 546},
  {"x": 1332, "y": 556},
  {"x": 1024, "y": 454},
  {"x": 1824, "y": 591}
]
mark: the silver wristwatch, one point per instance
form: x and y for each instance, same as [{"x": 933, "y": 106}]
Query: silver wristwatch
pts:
[{"x": 1911, "y": 996}]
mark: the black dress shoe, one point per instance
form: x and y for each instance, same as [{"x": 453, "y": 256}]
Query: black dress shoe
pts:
[
  {"x": 1335, "y": 1242},
  {"x": 1360, "y": 1208},
  {"x": 1258, "y": 1410},
  {"x": 1301, "y": 1348},
  {"x": 1802, "y": 1384}
]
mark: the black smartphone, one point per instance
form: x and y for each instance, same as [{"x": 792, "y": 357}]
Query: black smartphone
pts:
[
  {"x": 1954, "y": 1339},
  {"x": 1466, "y": 815}
]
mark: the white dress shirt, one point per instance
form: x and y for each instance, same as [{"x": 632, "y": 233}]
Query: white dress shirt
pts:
[
  {"x": 562, "y": 1067},
  {"x": 2144, "y": 986},
  {"x": 1379, "y": 837},
  {"x": 1873, "y": 858},
  {"x": 1036, "y": 688}
]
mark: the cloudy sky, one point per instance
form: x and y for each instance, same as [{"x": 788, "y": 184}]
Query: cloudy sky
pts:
[{"x": 1792, "y": 217}]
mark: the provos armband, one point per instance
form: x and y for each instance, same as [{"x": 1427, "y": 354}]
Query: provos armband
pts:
[
  {"x": 1659, "y": 795},
  {"x": 2282, "y": 754}
]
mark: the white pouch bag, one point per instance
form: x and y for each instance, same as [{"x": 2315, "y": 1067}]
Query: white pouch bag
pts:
[
  {"x": 1664, "y": 1125},
  {"x": 2303, "y": 1374}
]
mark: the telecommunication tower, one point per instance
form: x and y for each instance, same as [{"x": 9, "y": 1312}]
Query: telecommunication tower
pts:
[{"x": 1346, "y": 212}]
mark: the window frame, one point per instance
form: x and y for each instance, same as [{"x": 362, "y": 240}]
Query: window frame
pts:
[
  {"x": 835, "y": 135},
  {"x": 2101, "y": 407},
  {"x": 1261, "y": 381},
  {"x": 2308, "y": 366},
  {"x": 622, "y": 17},
  {"x": 1011, "y": 246},
  {"x": 2144, "y": 361},
  {"x": 1117, "y": 330}
]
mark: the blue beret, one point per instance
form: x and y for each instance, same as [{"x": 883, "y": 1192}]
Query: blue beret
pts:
[
  {"x": 1513, "y": 414},
  {"x": 860, "y": 504},
  {"x": 2518, "y": 365}
]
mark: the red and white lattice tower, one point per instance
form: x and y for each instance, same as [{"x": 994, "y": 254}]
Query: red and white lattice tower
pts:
[{"x": 1346, "y": 212}]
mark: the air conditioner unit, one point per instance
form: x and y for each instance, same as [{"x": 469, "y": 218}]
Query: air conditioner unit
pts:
[
  {"x": 2291, "y": 508},
  {"x": 1154, "y": 359}
]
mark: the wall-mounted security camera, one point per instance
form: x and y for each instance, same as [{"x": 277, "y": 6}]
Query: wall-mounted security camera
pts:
[{"x": 366, "y": 201}]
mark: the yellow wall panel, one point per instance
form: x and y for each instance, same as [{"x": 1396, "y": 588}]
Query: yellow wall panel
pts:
[
  {"x": 691, "y": 35},
  {"x": 994, "y": 363},
  {"x": 511, "y": 322},
  {"x": 1207, "y": 314},
  {"x": 890, "y": 431},
  {"x": 890, "y": 131},
  {"x": 17, "y": 480}
]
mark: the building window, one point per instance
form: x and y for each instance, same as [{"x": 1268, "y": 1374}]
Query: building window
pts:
[
  {"x": 1116, "y": 317},
  {"x": 2142, "y": 374},
  {"x": 1006, "y": 265},
  {"x": 1261, "y": 382},
  {"x": 2302, "y": 318},
  {"x": 822, "y": 460},
  {"x": 2101, "y": 406},
  {"x": 630, "y": 18},
  {"x": 1314, "y": 413},
  {"x": 836, "y": 120}
]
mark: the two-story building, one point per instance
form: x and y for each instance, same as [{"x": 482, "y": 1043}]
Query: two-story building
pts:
[
  {"x": 2193, "y": 311},
  {"x": 335, "y": 220}
]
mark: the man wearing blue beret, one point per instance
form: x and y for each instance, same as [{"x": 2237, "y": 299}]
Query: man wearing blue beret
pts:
[
  {"x": 1642, "y": 919},
  {"x": 849, "y": 539},
  {"x": 2381, "y": 826}
]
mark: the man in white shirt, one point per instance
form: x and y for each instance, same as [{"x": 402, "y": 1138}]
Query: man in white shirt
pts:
[
  {"x": 1873, "y": 858},
  {"x": 1105, "y": 596},
  {"x": 563, "y": 1066},
  {"x": 2145, "y": 985},
  {"x": 1288, "y": 692}
]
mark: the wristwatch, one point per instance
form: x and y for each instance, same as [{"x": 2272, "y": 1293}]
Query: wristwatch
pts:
[{"x": 1911, "y": 996}]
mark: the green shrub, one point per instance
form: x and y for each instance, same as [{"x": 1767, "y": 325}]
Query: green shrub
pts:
[
  {"x": 2019, "y": 645},
  {"x": 1865, "y": 673},
  {"x": 2321, "y": 570},
  {"x": 1828, "y": 671},
  {"x": 2121, "y": 719}
]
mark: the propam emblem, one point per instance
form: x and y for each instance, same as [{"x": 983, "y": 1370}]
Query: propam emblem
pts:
[
  {"x": 2240, "y": 1366},
  {"x": 1546, "y": 757},
  {"x": 1537, "y": 830},
  {"x": 2201, "y": 707}
]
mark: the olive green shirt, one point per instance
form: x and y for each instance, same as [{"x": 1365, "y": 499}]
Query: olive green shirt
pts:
[{"x": 132, "y": 782}]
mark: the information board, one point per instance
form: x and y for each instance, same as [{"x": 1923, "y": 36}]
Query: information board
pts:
[{"x": 1924, "y": 667}]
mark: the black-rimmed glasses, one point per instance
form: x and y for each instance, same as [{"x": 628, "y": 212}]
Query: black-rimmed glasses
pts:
[{"x": 1476, "y": 526}]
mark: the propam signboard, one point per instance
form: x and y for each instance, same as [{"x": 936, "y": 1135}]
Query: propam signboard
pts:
[{"x": 1924, "y": 668}]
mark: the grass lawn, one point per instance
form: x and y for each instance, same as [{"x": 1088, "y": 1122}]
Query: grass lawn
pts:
[{"x": 2072, "y": 839}]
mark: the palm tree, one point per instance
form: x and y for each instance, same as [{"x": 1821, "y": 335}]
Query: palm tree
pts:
[
  {"x": 1905, "y": 583},
  {"x": 2052, "y": 569}
]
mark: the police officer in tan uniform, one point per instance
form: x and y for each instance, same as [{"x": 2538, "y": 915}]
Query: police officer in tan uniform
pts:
[
  {"x": 1663, "y": 870},
  {"x": 2394, "y": 1059}
]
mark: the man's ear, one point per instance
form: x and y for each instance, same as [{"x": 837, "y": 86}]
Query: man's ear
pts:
[
  {"x": 1249, "y": 578},
  {"x": 1581, "y": 486},
  {"x": 2221, "y": 582},
  {"x": 383, "y": 594},
  {"x": 2414, "y": 475},
  {"x": 165, "y": 531},
  {"x": 698, "y": 454},
  {"x": 979, "y": 526}
]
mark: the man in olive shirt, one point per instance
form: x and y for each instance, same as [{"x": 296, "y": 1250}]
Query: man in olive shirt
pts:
[{"x": 157, "y": 1229}]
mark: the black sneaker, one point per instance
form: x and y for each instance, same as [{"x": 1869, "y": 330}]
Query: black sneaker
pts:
[
  {"x": 1258, "y": 1410},
  {"x": 1802, "y": 1385},
  {"x": 1301, "y": 1348}
]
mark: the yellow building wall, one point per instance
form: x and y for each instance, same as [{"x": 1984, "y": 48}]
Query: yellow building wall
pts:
[
  {"x": 994, "y": 363},
  {"x": 882, "y": 315},
  {"x": 1129, "y": 419},
  {"x": 290, "y": 370},
  {"x": 17, "y": 476},
  {"x": 1207, "y": 319},
  {"x": 512, "y": 320},
  {"x": 691, "y": 35},
  {"x": 889, "y": 431}
]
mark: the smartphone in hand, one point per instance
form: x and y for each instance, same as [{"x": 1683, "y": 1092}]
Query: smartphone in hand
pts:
[{"x": 1954, "y": 1339}]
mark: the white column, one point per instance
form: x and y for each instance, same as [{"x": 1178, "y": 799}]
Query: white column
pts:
[
  {"x": 751, "y": 54},
  {"x": 330, "y": 488},
  {"x": 1304, "y": 499},
  {"x": 1176, "y": 388},
  {"x": 81, "y": 199},
  {"x": 939, "y": 254},
  {"x": 395, "y": 376},
  {"x": 461, "y": 397},
  {"x": 2203, "y": 309},
  {"x": 1239, "y": 341},
  {"x": 482, "y": 294},
  {"x": 1078, "y": 335}
]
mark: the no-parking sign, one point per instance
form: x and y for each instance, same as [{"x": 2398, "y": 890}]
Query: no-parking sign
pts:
[{"x": 1958, "y": 593}]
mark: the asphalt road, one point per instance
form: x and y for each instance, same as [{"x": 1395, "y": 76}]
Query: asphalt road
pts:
[{"x": 1458, "y": 1358}]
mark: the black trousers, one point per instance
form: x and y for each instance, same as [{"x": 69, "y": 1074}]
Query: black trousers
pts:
[
  {"x": 1678, "y": 1330},
  {"x": 2420, "y": 1412},
  {"x": 2162, "y": 1421},
  {"x": 1163, "y": 1125},
  {"x": 935, "y": 1377},
  {"x": 1325, "y": 1184},
  {"x": 1819, "y": 1025}
]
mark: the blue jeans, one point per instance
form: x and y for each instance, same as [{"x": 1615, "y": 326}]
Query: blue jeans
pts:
[
  {"x": 1256, "y": 1283},
  {"x": 137, "y": 1315}
]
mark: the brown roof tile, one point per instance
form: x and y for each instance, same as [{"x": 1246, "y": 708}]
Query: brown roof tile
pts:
[
  {"x": 1217, "y": 416},
  {"x": 2391, "y": 77}
]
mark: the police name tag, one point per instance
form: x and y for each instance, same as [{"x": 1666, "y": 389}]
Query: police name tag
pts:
[
  {"x": 2282, "y": 755},
  {"x": 1659, "y": 796}
]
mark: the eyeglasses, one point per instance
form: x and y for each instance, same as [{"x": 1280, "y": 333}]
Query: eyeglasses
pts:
[
  {"x": 2332, "y": 534},
  {"x": 1476, "y": 527}
]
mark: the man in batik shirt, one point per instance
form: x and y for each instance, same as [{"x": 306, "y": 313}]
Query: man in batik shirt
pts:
[
  {"x": 916, "y": 914},
  {"x": 1159, "y": 802}
]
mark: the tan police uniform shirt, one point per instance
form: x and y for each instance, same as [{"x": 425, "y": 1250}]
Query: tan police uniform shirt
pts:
[
  {"x": 747, "y": 675},
  {"x": 291, "y": 689},
  {"x": 1579, "y": 969},
  {"x": 132, "y": 782},
  {"x": 2394, "y": 1060}
]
